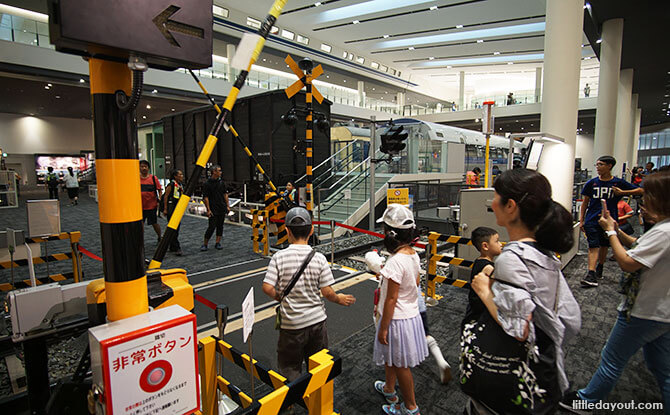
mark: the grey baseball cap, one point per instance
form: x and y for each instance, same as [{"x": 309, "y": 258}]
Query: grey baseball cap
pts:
[{"x": 298, "y": 216}]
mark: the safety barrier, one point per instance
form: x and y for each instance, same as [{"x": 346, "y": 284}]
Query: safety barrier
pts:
[
  {"x": 432, "y": 258},
  {"x": 260, "y": 221},
  {"x": 315, "y": 387},
  {"x": 73, "y": 255}
]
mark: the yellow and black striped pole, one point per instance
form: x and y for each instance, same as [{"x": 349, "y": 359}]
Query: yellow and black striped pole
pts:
[
  {"x": 221, "y": 122},
  {"x": 309, "y": 159},
  {"x": 119, "y": 202}
]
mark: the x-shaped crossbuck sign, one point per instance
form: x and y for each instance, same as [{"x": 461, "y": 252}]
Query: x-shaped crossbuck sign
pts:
[{"x": 303, "y": 79}]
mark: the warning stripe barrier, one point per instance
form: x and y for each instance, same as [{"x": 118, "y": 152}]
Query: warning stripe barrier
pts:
[
  {"x": 433, "y": 258},
  {"x": 72, "y": 236},
  {"x": 36, "y": 260},
  {"x": 314, "y": 387},
  {"x": 39, "y": 281}
]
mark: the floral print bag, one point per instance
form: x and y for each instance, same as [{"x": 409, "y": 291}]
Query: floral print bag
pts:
[{"x": 509, "y": 376}]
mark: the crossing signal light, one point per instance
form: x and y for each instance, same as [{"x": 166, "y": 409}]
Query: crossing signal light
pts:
[{"x": 393, "y": 140}]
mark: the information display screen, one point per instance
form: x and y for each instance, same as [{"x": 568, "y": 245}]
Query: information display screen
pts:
[{"x": 60, "y": 163}]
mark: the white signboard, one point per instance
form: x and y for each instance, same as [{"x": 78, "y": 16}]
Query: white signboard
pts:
[
  {"x": 248, "y": 314},
  {"x": 149, "y": 363},
  {"x": 43, "y": 217}
]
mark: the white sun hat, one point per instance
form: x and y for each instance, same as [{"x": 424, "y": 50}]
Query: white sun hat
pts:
[{"x": 398, "y": 216}]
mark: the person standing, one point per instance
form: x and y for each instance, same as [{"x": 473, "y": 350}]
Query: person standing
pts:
[
  {"x": 604, "y": 187},
  {"x": 173, "y": 192},
  {"x": 644, "y": 313},
  {"x": 151, "y": 194},
  {"x": 472, "y": 177},
  {"x": 72, "y": 186},
  {"x": 52, "y": 183},
  {"x": 215, "y": 197},
  {"x": 587, "y": 91}
]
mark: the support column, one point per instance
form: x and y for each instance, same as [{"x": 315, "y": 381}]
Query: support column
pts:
[
  {"x": 538, "y": 84},
  {"x": 608, "y": 85},
  {"x": 636, "y": 138},
  {"x": 461, "y": 90},
  {"x": 230, "y": 52},
  {"x": 622, "y": 134},
  {"x": 400, "y": 100},
  {"x": 560, "y": 99},
  {"x": 119, "y": 203},
  {"x": 361, "y": 94},
  {"x": 632, "y": 162}
]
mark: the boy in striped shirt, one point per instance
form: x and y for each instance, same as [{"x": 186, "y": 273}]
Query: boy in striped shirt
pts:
[{"x": 303, "y": 329}]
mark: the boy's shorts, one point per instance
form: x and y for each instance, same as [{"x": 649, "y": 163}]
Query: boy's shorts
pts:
[
  {"x": 149, "y": 216},
  {"x": 595, "y": 235},
  {"x": 296, "y": 346}
]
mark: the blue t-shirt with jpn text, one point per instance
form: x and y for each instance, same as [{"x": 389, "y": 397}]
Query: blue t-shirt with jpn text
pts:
[{"x": 596, "y": 190}]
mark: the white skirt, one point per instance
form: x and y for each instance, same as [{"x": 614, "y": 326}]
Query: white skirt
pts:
[{"x": 406, "y": 346}]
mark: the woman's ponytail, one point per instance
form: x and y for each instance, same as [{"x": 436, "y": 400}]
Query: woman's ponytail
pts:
[{"x": 555, "y": 232}]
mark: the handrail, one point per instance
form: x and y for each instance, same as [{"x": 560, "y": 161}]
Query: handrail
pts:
[
  {"x": 349, "y": 172},
  {"x": 318, "y": 180},
  {"x": 341, "y": 194},
  {"x": 326, "y": 160}
]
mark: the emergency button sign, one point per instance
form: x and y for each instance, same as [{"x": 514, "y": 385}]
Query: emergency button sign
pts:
[{"x": 152, "y": 368}]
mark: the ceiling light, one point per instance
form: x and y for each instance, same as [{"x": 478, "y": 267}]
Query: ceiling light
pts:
[
  {"x": 46, "y": 87},
  {"x": 459, "y": 26},
  {"x": 411, "y": 48},
  {"x": 357, "y": 21},
  {"x": 144, "y": 117},
  {"x": 510, "y": 63},
  {"x": 496, "y": 53},
  {"x": 81, "y": 80},
  {"x": 582, "y": 45},
  {"x": 480, "y": 41},
  {"x": 599, "y": 41},
  {"x": 49, "y": 85},
  {"x": 57, "y": 96},
  {"x": 386, "y": 36},
  {"x": 345, "y": 80},
  {"x": 172, "y": 109},
  {"x": 431, "y": 58},
  {"x": 155, "y": 91},
  {"x": 263, "y": 59},
  {"x": 433, "y": 7},
  {"x": 373, "y": 89},
  {"x": 317, "y": 4},
  {"x": 449, "y": 67},
  {"x": 148, "y": 106},
  {"x": 587, "y": 58}
]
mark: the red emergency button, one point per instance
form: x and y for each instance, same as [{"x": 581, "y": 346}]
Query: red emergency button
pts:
[{"x": 155, "y": 376}]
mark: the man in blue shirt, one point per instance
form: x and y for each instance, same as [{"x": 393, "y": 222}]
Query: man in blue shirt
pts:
[{"x": 610, "y": 189}]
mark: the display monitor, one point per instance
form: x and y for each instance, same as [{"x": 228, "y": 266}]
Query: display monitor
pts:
[
  {"x": 533, "y": 155},
  {"x": 60, "y": 163}
]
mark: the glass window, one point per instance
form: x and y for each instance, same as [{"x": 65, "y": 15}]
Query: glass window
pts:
[
  {"x": 661, "y": 140},
  {"x": 5, "y": 20},
  {"x": 287, "y": 34},
  {"x": 350, "y": 56},
  {"x": 654, "y": 142},
  {"x": 360, "y": 59},
  {"x": 383, "y": 68},
  {"x": 274, "y": 30},
  {"x": 256, "y": 24},
  {"x": 220, "y": 11},
  {"x": 374, "y": 65},
  {"x": 28, "y": 38},
  {"x": 344, "y": 55},
  {"x": 303, "y": 39},
  {"x": 392, "y": 71},
  {"x": 5, "y": 33},
  {"x": 326, "y": 48}
]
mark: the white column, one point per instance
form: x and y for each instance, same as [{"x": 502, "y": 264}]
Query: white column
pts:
[
  {"x": 361, "y": 94},
  {"x": 461, "y": 90},
  {"x": 230, "y": 52},
  {"x": 538, "y": 83},
  {"x": 608, "y": 86},
  {"x": 560, "y": 94},
  {"x": 631, "y": 122},
  {"x": 636, "y": 130},
  {"x": 400, "y": 100},
  {"x": 622, "y": 134}
]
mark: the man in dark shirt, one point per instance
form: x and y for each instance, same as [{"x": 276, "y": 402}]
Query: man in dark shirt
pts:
[
  {"x": 215, "y": 197},
  {"x": 611, "y": 189}
]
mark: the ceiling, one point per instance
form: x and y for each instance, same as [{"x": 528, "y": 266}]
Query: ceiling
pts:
[
  {"x": 644, "y": 49},
  {"x": 70, "y": 98}
]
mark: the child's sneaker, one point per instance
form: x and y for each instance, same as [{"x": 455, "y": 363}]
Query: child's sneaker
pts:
[
  {"x": 203, "y": 248},
  {"x": 218, "y": 246},
  {"x": 399, "y": 409},
  {"x": 391, "y": 398}
]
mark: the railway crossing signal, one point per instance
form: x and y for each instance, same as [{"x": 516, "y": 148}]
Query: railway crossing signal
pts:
[
  {"x": 393, "y": 140},
  {"x": 306, "y": 73}
]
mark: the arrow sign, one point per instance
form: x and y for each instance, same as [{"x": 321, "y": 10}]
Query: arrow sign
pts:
[{"x": 165, "y": 25}]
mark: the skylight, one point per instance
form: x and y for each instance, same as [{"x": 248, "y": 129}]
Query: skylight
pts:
[
  {"x": 467, "y": 35},
  {"x": 479, "y": 61},
  {"x": 362, "y": 9}
]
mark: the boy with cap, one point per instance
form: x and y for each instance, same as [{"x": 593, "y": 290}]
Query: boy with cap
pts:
[
  {"x": 610, "y": 189},
  {"x": 303, "y": 329}
]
